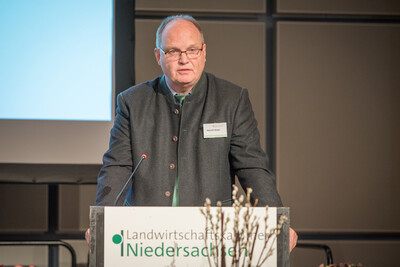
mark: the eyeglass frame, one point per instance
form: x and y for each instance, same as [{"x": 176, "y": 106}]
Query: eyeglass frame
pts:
[{"x": 185, "y": 51}]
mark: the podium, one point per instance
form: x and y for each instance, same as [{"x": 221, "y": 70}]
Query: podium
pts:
[{"x": 181, "y": 236}]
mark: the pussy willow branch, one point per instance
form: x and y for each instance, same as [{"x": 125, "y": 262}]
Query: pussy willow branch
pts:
[
  {"x": 273, "y": 233},
  {"x": 244, "y": 237},
  {"x": 207, "y": 215},
  {"x": 223, "y": 263}
]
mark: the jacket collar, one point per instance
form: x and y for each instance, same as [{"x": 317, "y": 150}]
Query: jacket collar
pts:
[{"x": 197, "y": 93}]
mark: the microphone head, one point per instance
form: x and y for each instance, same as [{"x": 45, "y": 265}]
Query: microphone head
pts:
[{"x": 144, "y": 156}]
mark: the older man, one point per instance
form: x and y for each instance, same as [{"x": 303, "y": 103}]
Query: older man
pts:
[{"x": 198, "y": 131}]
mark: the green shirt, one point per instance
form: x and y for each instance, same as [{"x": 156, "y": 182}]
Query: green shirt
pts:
[{"x": 179, "y": 99}]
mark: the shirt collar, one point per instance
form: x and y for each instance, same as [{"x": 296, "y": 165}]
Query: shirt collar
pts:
[
  {"x": 201, "y": 83},
  {"x": 170, "y": 93},
  {"x": 172, "y": 90}
]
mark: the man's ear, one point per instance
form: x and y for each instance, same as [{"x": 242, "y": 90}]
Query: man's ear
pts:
[
  {"x": 157, "y": 54},
  {"x": 205, "y": 52}
]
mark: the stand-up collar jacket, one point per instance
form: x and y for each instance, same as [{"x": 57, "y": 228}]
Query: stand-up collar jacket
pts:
[{"x": 149, "y": 121}]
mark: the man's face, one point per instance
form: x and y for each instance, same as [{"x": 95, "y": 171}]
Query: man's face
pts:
[{"x": 183, "y": 73}]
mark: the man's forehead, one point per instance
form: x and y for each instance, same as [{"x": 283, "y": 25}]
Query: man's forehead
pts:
[
  {"x": 180, "y": 22},
  {"x": 178, "y": 27}
]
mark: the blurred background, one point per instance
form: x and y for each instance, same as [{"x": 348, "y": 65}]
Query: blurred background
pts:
[{"x": 324, "y": 82}]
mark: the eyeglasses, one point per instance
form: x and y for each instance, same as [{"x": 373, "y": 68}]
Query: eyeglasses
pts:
[{"x": 174, "y": 54}]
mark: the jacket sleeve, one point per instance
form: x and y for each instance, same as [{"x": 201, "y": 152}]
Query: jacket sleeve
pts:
[
  {"x": 117, "y": 161},
  {"x": 248, "y": 160}
]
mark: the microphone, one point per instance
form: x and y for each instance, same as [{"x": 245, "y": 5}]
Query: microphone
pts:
[{"x": 129, "y": 179}]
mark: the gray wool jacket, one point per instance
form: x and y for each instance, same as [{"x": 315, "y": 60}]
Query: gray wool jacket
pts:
[{"x": 149, "y": 121}]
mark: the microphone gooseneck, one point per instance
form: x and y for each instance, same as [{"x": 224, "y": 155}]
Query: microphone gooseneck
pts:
[{"x": 144, "y": 156}]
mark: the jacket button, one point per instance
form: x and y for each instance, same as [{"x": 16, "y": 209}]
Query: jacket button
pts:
[
  {"x": 175, "y": 138},
  {"x": 167, "y": 193},
  {"x": 176, "y": 111},
  {"x": 171, "y": 166}
]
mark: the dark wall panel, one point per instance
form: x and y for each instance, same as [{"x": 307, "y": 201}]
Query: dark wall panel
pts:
[
  {"x": 210, "y": 6},
  {"x": 23, "y": 208},
  {"x": 74, "y": 207},
  {"x": 348, "y": 7},
  {"x": 368, "y": 253},
  {"x": 338, "y": 125}
]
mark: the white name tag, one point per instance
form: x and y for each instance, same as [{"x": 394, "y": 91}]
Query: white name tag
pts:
[{"x": 215, "y": 130}]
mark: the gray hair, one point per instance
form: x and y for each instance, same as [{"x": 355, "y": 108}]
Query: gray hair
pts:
[{"x": 175, "y": 17}]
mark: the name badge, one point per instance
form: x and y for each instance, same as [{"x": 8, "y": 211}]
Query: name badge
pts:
[{"x": 215, "y": 130}]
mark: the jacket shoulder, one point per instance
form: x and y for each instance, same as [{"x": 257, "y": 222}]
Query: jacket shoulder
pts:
[
  {"x": 224, "y": 88},
  {"x": 141, "y": 89},
  {"x": 222, "y": 85}
]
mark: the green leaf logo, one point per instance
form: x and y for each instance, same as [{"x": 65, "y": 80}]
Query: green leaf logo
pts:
[{"x": 117, "y": 239}]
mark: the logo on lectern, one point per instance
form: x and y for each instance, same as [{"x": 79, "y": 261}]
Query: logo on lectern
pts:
[
  {"x": 170, "y": 243},
  {"x": 118, "y": 239}
]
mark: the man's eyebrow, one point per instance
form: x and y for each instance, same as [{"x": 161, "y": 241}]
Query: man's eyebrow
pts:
[
  {"x": 172, "y": 48},
  {"x": 175, "y": 48}
]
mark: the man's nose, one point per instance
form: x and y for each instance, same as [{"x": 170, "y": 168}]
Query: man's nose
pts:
[{"x": 183, "y": 58}]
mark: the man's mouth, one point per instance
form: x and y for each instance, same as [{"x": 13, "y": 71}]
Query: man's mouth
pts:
[{"x": 184, "y": 70}]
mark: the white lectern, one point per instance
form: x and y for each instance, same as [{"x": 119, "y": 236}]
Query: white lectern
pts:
[{"x": 180, "y": 236}]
